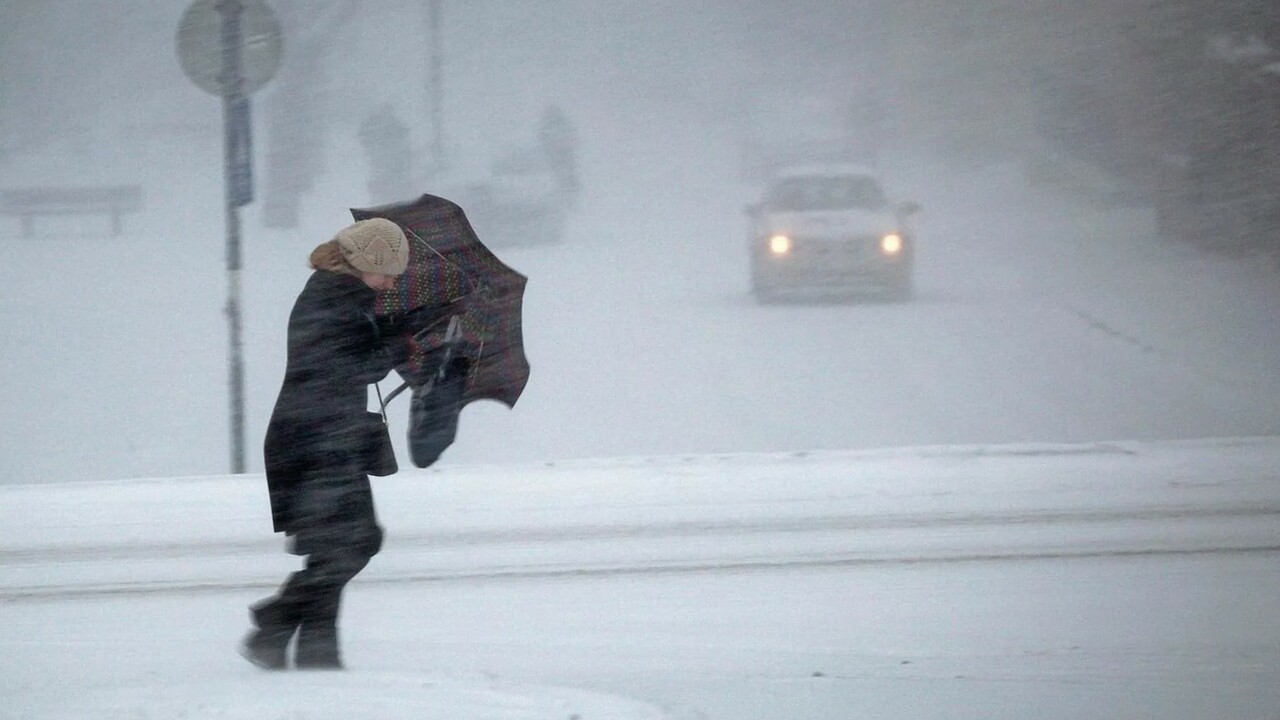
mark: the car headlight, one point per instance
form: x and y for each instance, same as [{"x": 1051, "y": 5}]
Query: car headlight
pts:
[
  {"x": 891, "y": 244},
  {"x": 779, "y": 244}
]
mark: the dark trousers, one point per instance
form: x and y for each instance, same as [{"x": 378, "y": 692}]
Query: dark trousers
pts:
[{"x": 338, "y": 532}]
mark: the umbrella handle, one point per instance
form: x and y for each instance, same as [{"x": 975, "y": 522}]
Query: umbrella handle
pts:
[{"x": 451, "y": 334}]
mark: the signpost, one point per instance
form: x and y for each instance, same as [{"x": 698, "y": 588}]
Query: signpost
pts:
[
  {"x": 200, "y": 44},
  {"x": 435, "y": 89},
  {"x": 230, "y": 48},
  {"x": 239, "y": 134}
]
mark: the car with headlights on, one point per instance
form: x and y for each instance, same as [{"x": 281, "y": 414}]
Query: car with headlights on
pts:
[{"x": 830, "y": 229}]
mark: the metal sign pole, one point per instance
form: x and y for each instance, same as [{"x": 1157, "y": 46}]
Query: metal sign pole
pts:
[
  {"x": 231, "y": 48},
  {"x": 235, "y": 144},
  {"x": 436, "y": 91}
]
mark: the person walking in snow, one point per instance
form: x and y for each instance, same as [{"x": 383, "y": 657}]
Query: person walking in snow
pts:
[{"x": 316, "y": 470}]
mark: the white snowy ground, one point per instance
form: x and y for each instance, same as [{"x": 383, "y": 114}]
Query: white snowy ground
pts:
[{"x": 1117, "y": 580}]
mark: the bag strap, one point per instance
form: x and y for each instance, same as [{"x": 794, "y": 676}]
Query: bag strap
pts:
[
  {"x": 392, "y": 396},
  {"x": 382, "y": 404}
]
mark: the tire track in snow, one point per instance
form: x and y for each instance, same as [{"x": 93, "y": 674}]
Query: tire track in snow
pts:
[
  {"x": 1097, "y": 324},
  {"x": 771, "y": 544},
  {"x": 36, "y": 594},
  {"x": 690, "y": 528}
]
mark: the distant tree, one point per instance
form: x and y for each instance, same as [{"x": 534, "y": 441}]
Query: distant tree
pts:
[{"x": 1202, "y": 115}]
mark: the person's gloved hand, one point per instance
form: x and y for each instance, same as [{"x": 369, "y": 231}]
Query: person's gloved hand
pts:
[
  {"x": 443, "y": 351},
  {"x": 399, "y": 348},
  {"x": 390, "y": 326}
]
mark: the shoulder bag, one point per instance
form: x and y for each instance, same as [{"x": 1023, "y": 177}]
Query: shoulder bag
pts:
[{"x": 380, "y": 457}]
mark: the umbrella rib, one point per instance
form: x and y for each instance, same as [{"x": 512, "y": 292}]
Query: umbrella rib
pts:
[
  {"x": 472, "y": 283},
  {"x": 440, "y": 255}
]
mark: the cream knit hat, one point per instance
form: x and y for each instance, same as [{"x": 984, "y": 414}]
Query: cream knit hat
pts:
[{"x": 376, "y": 245}]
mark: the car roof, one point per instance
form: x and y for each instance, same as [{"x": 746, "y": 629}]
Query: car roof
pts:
[{"x": 825, "y": 170}]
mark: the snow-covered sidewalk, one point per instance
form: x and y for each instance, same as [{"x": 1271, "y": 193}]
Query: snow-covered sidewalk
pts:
[
  {"x": 912, "y": 504},
  {"x": 342, "y": 696},
  {"x": 95, "y": 577}
]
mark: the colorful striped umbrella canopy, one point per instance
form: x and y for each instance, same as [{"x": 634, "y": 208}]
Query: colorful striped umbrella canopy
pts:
[{"x": 452, "y": 273}]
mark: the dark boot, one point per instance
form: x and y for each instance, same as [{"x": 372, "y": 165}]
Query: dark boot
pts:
[
  {"x": 338, "y": 549},
  {"x": 318, "y": 646},
  {"x": 266, "y": 645},
  {"x": 318, "y": 633}
]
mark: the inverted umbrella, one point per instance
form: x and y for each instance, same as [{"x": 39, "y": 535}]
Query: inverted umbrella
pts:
[{"x": 451, "y": 274}]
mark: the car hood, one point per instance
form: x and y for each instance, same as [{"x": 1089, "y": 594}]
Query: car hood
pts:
[{"x": 830, "y": 223}]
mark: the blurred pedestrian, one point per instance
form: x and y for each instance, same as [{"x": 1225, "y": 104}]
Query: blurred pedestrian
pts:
[
  {"x": 559, "y": 141},
  {"x": 385, "y": 139},
  {"x": 314, "y": 450}
]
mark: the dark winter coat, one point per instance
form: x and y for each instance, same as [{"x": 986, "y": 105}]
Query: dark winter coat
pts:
[{"x": 335, "y": 350}]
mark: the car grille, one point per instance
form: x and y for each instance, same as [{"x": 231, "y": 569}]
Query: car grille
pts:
[{"x": 818, "y": 249}]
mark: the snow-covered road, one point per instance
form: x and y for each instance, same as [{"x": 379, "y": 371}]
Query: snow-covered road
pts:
[
  {"x": 672, "y": 514},
  {"x": 1120, "y": 580}
]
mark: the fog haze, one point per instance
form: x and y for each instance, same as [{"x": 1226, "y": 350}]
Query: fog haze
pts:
[{"x": 1050, "y": 307}]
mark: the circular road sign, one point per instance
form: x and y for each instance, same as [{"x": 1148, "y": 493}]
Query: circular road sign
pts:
[{"x": 200, "y": 44}]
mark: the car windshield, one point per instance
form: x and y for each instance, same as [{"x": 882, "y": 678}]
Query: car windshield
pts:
[{"x": 827, "y": 193}]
